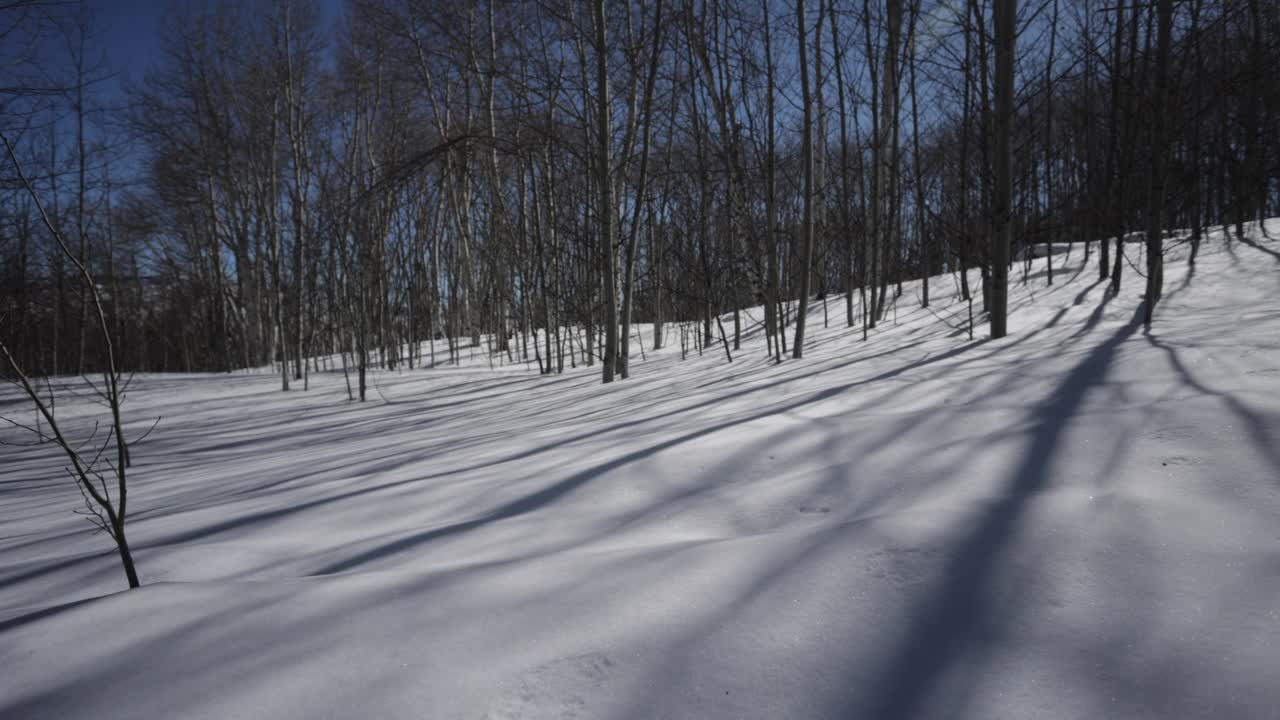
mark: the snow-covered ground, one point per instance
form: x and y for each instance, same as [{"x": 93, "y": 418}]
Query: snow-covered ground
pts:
[{"x": 1079, "y": 521}]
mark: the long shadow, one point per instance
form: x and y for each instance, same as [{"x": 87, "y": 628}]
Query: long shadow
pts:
[
  {"x": 1254, "y": 244},
  {"x": 295, "y": 439},
  {"x": 1256, "y": 425},
  {"x": 541, "y": 498},
  {"x": 955, "y": 618},
  {"x": 253, "y": 443},
  {"x": 547, "y": 495},
  {"x": 241, "y": 521},
  {"x": 1095, "y": 317},
  {"x": 290, "y": 439},
  {"x": 713, "y": 401},
  {"x": 41, "y": 569},
  {"x": 19, "y": 621},
  {"x": 1230, "y": 248},
  {"x": 1186, "y": 280}
]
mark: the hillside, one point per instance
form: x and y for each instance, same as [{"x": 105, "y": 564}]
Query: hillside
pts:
[{"x": 1081, "y": 520}]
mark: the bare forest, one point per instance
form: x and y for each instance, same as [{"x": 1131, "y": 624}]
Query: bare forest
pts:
[
  {"x": 389, "y": 187},
  {"x": 639, "y": 358}
]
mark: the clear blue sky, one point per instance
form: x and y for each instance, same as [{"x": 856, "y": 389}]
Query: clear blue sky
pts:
[
  {"x": 129, "y": 30},
  {"x": 129, "y": 33}
]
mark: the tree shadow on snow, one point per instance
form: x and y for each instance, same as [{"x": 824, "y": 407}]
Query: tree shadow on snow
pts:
[
  {"x": 1256, "y": 425},
  {"x": 541, "y": 498},
  {"x": 950, "y": 625},
  {"x": 1257, "y": 246}
]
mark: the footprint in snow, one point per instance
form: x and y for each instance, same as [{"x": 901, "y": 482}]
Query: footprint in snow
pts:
[
  {"x": 561, "y": 689},
  {"x": 1174, "y": 434},
  {"x": 903, "y": 566},
  {"x": 1181, "y": 460}
]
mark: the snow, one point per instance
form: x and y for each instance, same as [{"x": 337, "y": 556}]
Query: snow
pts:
[{"x": 1078, "y": 521}]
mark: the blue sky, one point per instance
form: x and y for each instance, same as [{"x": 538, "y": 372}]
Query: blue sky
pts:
[{"x": 129, "y": 31}]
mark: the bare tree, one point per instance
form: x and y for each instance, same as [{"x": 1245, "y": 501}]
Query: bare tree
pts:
[
  {"x": 1002, "y": 237},
  {"x": 806, "y": 228},
  {"x": 1155, "y": 190},
  {"x": 604, "y": 207},
  {"x": 605, "y": 166},
  {"x": 109, "y": 512}
]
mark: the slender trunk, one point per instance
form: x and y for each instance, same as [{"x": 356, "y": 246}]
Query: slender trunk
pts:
[
  {"x": 772, "y": 299},
  {"x": 1155, "y": 190},
  {"x": 806, "y": 243},
  {"x": 628, "y": 277},
  {"x": 922, "y": 243},
  {"x": 1005, "y": 17},
  {"x": 1049, "y": 155},
  {"x": 605, "y": 199}
]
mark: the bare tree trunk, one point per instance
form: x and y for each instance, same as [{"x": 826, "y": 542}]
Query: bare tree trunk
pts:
[
  {"x": 1155, "y": 191},
  {"x": 605, "y": 199},
  {"x": 1197, "y": 92},
  {"x": 806, "y": 242},
  {"x": 628, "y": 277},
  {"x": 772, "y": 296},
  {"x": 925, "y": 265},
  {"x": 846, "y": 222},
  {"x": 887, "y": 154},
  {"x": 1005, "y": 18},
  {"x": 870, "y": 266},
  {"x": 1048, "y": 144}
]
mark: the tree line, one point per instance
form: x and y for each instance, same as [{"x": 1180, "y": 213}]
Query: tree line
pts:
[{"x": 411, "y": 178}]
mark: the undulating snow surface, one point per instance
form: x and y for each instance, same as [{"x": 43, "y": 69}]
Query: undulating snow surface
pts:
[{"x": 1079, "y": 521}]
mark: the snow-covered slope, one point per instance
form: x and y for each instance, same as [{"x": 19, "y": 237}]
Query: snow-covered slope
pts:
[{"x": 1079, "y": 521}]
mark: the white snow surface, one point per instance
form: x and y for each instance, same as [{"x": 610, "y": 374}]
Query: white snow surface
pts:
[{"x": 1081, "y": 520}]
